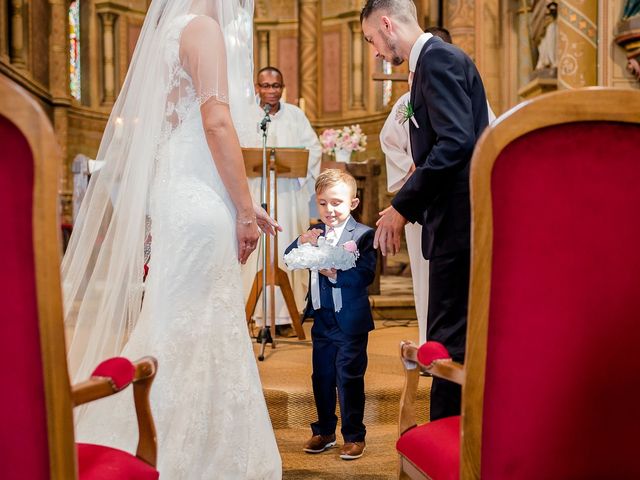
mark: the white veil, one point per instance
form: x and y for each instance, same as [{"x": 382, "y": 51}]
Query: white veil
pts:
[{"x": 102, "y": 270}]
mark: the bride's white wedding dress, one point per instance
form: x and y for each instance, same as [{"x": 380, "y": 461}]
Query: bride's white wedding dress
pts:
[{"x": 207, "y": 399}]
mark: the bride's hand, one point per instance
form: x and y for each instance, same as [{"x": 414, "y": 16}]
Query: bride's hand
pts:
[
  {"x": 265, "y": 222},
  {"x": 248, "y": 235}
]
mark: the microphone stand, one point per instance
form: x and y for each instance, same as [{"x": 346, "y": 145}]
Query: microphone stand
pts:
[{"x": 264, "y": 336}]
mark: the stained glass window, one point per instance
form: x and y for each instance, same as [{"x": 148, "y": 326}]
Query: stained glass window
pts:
[
  {"x": 387, "y": 85},
  {"x": 74, "y": 49}
]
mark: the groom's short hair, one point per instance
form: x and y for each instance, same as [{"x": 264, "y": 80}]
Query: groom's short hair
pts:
[{"x": 403, "y": 10}]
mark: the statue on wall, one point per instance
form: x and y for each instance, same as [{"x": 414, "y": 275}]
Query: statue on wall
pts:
[
  {"x": 542, "y": 33},
  {"x": 628, "y": 35}
]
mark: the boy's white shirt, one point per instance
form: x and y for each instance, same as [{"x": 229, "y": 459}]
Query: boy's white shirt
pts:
[{"x": 336, "y": 293}]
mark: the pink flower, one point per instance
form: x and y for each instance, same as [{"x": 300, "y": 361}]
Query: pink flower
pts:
[{"x": 350, "y": 246}]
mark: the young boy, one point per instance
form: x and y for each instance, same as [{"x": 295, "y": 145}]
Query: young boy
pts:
[{"x": 339, "y": 305}]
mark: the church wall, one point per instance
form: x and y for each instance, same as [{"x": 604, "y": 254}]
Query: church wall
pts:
[{"x": 493, "y": 32}]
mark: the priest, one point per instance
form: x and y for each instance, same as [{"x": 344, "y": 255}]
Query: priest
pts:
[{"x": 288, "y": 127}]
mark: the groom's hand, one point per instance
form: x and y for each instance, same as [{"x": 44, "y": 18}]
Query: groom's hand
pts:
[{"x": 389, "y": 231}]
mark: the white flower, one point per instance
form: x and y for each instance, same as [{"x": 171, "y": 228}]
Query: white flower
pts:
[{"x": 320, "y": 257}]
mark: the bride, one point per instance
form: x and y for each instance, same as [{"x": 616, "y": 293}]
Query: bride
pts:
[{"x": 173, "y": 196}]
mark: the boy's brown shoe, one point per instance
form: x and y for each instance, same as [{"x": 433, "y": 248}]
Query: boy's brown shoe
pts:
[
  {"x": 352, "y": 450},
  {"x": 319, "y": 443}
]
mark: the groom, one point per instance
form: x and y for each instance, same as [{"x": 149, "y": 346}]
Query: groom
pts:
[{"x": 449, "y": 112}]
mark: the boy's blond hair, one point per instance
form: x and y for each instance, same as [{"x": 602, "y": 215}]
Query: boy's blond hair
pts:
[{"x": 333, "y": 176}]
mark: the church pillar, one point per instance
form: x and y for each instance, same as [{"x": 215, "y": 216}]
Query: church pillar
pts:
[
  {"x": 59, "y": 88},
  {"x": 459, "y": 19},
  {"x": 525, "y": 58},
  {"x": 577, "y": 43},
  {"x": 309, "y": 35},
  {"x": 108, "y": 57},
  {"x": 18, "y": 16},
  {"x": 357, "y": 61},
  {"x": 263, "y": 49}
]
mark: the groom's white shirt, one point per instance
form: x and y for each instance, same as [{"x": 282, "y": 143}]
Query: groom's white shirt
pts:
[{"x": 416, "y": 49}]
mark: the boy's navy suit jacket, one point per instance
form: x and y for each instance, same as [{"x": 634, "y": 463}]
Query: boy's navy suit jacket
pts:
[{"x": 355, "y": 316}]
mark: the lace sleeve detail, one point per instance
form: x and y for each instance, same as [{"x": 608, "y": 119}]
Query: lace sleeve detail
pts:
[
  {"x": 204, "y": 59},
  {"x": 204, "y": 97}
]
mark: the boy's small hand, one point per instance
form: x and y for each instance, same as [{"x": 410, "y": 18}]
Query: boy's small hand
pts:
[
  {"x": 310, "y": 236},
  {"x": 329, "y": 272}
]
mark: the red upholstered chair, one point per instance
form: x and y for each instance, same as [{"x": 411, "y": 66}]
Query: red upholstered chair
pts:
[
  {"x": 551, "y": 381},
  {"x": 36, "y": 401}
]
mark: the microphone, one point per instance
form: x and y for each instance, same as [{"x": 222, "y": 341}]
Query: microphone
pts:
[{"x": 267, "y": 118}]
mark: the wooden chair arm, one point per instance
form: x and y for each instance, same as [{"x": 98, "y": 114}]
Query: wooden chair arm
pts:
[
  {"x": 409, "y": 393},
  {"x": 439, "y": 362},
  {"x": 93, "y": 389},
  {"x": 145, "y": 374},
  {"x": 443, "y": 368},
  {"x": 100, "y": 387},
  {"x": 447, "y": 369}
]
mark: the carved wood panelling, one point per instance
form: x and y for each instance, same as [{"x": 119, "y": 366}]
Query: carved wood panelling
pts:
[
  {"x": 288, "y": 65},
  {"x": 334, "y": 8},
  {"x": 281, "y": 10},
  {"x": 460, "y": 19},
  {"x": 331, "y": 69}
]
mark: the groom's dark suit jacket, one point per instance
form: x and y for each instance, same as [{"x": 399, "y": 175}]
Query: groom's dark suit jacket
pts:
[{"x": 450, "y": 107}]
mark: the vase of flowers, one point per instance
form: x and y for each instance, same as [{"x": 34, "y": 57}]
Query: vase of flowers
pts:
[{"x": 343, "y": 141}]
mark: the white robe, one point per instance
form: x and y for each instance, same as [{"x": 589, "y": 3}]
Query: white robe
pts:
[
  {"x": 289, "y": 128},
  {"x": 394, "y": 141}
]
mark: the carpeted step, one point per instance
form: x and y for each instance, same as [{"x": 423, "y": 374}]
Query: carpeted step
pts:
[{"x": 286, "y": 379}]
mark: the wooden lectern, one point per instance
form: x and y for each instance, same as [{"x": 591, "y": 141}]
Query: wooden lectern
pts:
[{"x": 282, "y": 163}]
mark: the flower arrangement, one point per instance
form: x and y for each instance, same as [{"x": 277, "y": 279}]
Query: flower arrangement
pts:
[
  {"x": 350, "y": 139},
  {"x": 324, "y": 255}
]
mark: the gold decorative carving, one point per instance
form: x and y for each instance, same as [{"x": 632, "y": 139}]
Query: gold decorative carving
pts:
[{"x": 577, "y": 43}]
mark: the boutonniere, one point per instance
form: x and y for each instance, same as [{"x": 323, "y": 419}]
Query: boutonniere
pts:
[{"x": 405, "y": 112}]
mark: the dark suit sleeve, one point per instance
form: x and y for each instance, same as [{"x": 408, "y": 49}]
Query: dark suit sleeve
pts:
[
  {"x": 365, "y": 270},
  {"x": 293, "y": 245},
  {"x": 449, "y": 106}
]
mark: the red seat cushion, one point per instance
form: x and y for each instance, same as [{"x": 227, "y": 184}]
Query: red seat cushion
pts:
[
  {"x": 118, "y": 369},
  {"x": 434, "y": 448},
  {"x": 96, "y": 462},
  {"x": 431, "y": 351}
]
